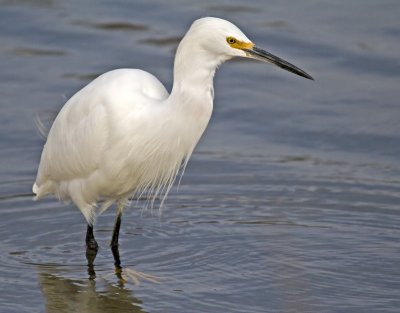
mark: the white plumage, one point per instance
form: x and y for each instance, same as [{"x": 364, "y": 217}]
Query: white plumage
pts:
[
  {"x": 123, "y": 134},
  {"x": 101, "y": 146}
]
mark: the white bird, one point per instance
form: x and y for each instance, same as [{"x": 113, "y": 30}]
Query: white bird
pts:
[{"x": 124, "y": 135}]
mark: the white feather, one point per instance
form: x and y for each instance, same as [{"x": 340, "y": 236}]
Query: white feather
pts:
[{"x": 123, "y": 133}]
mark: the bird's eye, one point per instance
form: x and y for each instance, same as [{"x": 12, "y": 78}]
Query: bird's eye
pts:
[{"x": 231, "y": 40}]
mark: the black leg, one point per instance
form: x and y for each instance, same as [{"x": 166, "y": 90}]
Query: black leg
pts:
[
  {"x": 114, "y": 240},
  {"x": 91, "y": 243},
  {"x": 91, "y": 251},
  {"x": 91, "y": 271}
]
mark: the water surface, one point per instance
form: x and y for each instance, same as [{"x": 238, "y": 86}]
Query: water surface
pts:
[{"x": 291, "y": 201}]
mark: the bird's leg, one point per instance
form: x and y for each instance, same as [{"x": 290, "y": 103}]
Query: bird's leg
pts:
[
  {"x": 91, "y": 251},
  {"x": 91, "y": 243},
  {"x": 114, "y": 240}
]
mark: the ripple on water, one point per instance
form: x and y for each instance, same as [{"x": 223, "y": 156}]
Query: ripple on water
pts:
[{"x": 300, "y": 238}]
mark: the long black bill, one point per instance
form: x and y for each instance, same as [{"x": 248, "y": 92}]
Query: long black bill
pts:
[{"x": 262, "y": 55}]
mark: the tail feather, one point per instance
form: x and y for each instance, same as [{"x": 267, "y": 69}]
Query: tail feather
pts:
[
  {"x": 42, "y": 190},
  {"x": 35, "y": 190},
  {"x": 43, "y": 121}
]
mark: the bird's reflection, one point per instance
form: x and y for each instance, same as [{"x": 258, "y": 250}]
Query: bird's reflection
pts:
[
  {"x": 64, "y": 295},
  {"x": 90, "y": 259},
  {"x": 123, "y": 274}
]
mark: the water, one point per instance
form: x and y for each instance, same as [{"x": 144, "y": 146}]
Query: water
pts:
[{"x": 291, "y": 201}]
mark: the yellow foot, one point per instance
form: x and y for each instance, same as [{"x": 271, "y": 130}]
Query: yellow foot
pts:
[{"x": 127, "y": 274}]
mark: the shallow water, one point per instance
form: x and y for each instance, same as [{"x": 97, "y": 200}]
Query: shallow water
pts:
[{"x": 291, "y": 201}]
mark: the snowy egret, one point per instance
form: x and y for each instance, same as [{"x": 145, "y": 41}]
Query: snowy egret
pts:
[{"x": 124, "y": 135}]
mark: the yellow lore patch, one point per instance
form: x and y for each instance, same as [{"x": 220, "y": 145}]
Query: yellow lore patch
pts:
[{"x": 237, "y": 44}]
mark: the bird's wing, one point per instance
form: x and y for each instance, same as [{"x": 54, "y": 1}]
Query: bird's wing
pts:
[
  {"x": 75, "y": 140},
  {"x": 80, "y": 133}
]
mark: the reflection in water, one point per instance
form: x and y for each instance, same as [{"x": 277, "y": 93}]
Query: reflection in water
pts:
[
  {"x": 90, "y": 256},
  {"x": 123, "y": 274},
  {"x": 284, "y": 208},
  {"x": 34, "y": 3},
  {"x": 85, "y": 296},
  {"x": 162, "y": 42},
  {"x": 33, "y": 52},
  {"x": 113, "y": 26}
]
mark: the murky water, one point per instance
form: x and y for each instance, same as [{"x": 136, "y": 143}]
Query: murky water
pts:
[{"x": 291, "y": 201}]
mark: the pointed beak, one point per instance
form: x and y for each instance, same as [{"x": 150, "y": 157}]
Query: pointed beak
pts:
[{"x": 262, "y": 55}]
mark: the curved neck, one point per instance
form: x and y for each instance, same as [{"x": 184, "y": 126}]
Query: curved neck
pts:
[{"x": 194, "y": 70}]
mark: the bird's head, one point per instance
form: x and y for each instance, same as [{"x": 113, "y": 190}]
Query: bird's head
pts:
[{"x": 224, "y": 40}]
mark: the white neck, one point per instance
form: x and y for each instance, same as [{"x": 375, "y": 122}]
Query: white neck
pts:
[
  {"x": 194, "y": 70},
  {"x": 192, "y": 95}
]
